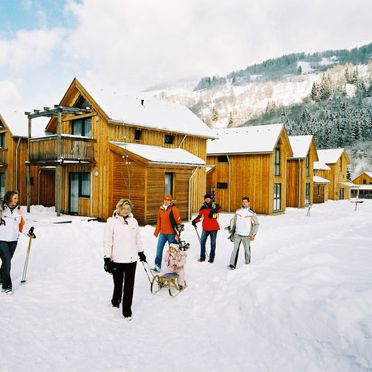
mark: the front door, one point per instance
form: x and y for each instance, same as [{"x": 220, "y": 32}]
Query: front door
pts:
[
  {"x": 342, "y": 194},
  {"x": 74, "y": 193}
]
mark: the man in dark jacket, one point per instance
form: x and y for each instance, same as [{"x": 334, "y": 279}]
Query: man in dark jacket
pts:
[{"x": 209, "y": 212}]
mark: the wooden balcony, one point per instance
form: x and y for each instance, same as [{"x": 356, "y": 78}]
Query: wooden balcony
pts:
[
  {"x": 3, "y": 160},
  {"x": 74, "y": 150}
]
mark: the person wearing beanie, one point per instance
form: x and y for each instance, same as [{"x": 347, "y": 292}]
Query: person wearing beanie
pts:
[
  {"x": 244, "y": 228},
  {"x": 167, "y": 221},
  {"x": 209, "y": 213},
  {"x": 122, "y": 248}
]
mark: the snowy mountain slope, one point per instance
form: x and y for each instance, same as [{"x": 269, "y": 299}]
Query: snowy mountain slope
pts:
[
  {"x": 305, "y": 302},
  {"x": 233, "y": 105}
]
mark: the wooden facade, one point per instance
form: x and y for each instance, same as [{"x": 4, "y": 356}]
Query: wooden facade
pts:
[
  {"x": 338, "y": 161},
  {"x": 364, "y": 178},
  {"x": 91, "y": 162},
  {"x": 13, "y": 155},
  {"x": 300, "y": 174},
  {"x": 251, "y": 174}
]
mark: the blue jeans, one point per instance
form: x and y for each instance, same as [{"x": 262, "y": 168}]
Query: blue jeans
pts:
[
  {"x": 7, "y": 250},
  {"x": 203, "y": 240},
  {"x": 163, "y": 238}
]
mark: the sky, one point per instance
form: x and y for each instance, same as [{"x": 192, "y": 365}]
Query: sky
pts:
[{"x": 131, "y": 45}]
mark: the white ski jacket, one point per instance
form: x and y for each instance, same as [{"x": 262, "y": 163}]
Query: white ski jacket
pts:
[
  {"x": 122, "y": 241},
  {"x": 13, "y": 219},
  {"x": 246, "y": 222}
]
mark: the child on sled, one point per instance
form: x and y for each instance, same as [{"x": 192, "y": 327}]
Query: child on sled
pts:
[{"x": 175, "y": 260}]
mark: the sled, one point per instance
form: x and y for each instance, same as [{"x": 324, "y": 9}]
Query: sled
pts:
[{"x": 168, "y": 281}]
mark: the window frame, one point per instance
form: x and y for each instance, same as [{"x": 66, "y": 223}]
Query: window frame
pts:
[
  {"x": 277, "y": 163},
  {"x": 276, "y": 199}
]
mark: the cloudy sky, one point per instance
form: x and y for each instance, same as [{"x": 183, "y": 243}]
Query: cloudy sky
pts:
[{"x": 130, "y": 45}]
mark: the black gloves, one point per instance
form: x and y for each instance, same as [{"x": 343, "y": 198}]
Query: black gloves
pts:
[
  {"x": 142, "y": 257},
  {"x": 193, "y": 222},
  {"x": 179, "y": 228},
  {"x": 109, "y": 265}
]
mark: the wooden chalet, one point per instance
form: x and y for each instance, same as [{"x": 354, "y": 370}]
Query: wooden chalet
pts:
[
  {"x": 363, "y": 186},
  {"x": 13, "y": 155},
  {"x": 320, "y": 183},
  {"x": 121, "y": 147},
  {"x": 337, "y": 160},
  {"x": 300, "y": 171},
  {"x": 249, "y": 161}
]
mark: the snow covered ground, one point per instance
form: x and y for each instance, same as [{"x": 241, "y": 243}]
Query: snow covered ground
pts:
[{"x": 304, "y": 304}]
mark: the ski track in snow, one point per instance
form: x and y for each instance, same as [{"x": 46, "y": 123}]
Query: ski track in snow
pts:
[{"x": 305, "y": 302}]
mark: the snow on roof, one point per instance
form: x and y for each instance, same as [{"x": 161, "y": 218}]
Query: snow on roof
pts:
[
  {"x": 149, "y": 112},
  {"x": 254, "y": 139},
  {"x": 300, "y": 145},
  {"x": 363, "y": 187},
  {"x": 369, "y": 174},
  {"x": 348, "y": 184},
  {"x": 317, "y": 179},
  {"x": 17, "y": 123},
  {"x": 318, "y": 165},
  {"x": 330, "y": 156},
  {"x": 161, "y": 155}
]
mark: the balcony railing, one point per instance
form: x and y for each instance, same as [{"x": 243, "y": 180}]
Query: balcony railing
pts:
[{"x": 74, "y": 149}]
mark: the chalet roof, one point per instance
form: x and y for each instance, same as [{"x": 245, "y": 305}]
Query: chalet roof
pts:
[
  {"x": 330, "y": 156},
  {"x": 369, "y": 174},
  {"x": 317, "y": 179},
  {"x": 318, "y": 165},
  {"x": 161, "y": 155},
  {"x": 346, "y": 183},
  {"x": 245, "y": 140},
  {"x": 300, "y": 145},
  {"x": 148, "y": 112}
]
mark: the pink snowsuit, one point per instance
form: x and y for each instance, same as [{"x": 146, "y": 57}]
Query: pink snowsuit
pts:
[{"x": 175, "y": 264}]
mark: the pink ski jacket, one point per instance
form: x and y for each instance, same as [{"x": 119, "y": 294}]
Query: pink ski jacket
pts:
[{"x": 122, "y": 241}]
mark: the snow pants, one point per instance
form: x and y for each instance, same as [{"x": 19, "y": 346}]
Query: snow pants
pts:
[
  {"x": 180, "y": 271},
  {"x": 124, "y": 274},
  {"x": 235, "y": 253}
]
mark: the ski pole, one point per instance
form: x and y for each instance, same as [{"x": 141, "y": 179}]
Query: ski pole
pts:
[
  {"x": 197, "y": 233},
  {"x": 148, "y": 275},
  {"x": 32, "y": 236}
]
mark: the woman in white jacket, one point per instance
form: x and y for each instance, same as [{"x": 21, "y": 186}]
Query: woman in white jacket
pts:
[
  {"x": 122, "y": 246},
  {"x": 11, "y": 224}
]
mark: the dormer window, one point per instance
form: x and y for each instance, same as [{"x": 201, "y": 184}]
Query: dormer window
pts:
[
  {"x": 168, "y": 139},
  {"x": 82, "y": 103},
  {"x": 82, "y": 127}
]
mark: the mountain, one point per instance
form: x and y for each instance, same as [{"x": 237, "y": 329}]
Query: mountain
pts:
[{"x": 327, "y": 94}]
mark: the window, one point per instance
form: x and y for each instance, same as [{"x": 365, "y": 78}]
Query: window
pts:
[
  {"x": 222, "y": 185},
  {"x": 341, "y": 164},
  {"x": 277, "y": 196},
  {"x": 82, "y": 103},
  {"x": 342, "y": 194},
  {"x": 307, "y": 193},
  {"x": 318, "y": 190},
  {"x": 84, "y": 187},
  {"x": 169, "y": 183},
  {"x": 2, "y": 185},
  {"x": 168, "y": 139},
  {"x": 137, "y": 134},
  {"x": 2, "y": 140},
  {"x": 222, "y": 159},
  {"x": 82, "y": 181},
  {"x": 364, "y": 182},
  {"x": 82, "y": 127},
  {"x": 307, "y": 166},
  {"x": 277, "y": 161}
]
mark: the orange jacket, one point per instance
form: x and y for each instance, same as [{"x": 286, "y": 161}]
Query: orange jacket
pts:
[{"x": 163, "y": 224}]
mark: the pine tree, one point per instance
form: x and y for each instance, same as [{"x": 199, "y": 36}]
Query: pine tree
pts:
[
  {"x": 230, "y": 123},
  {"x": 315, "y": 92},
  {"x": 214, "y": 116},
  {"x": 325, "y": 89}
]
